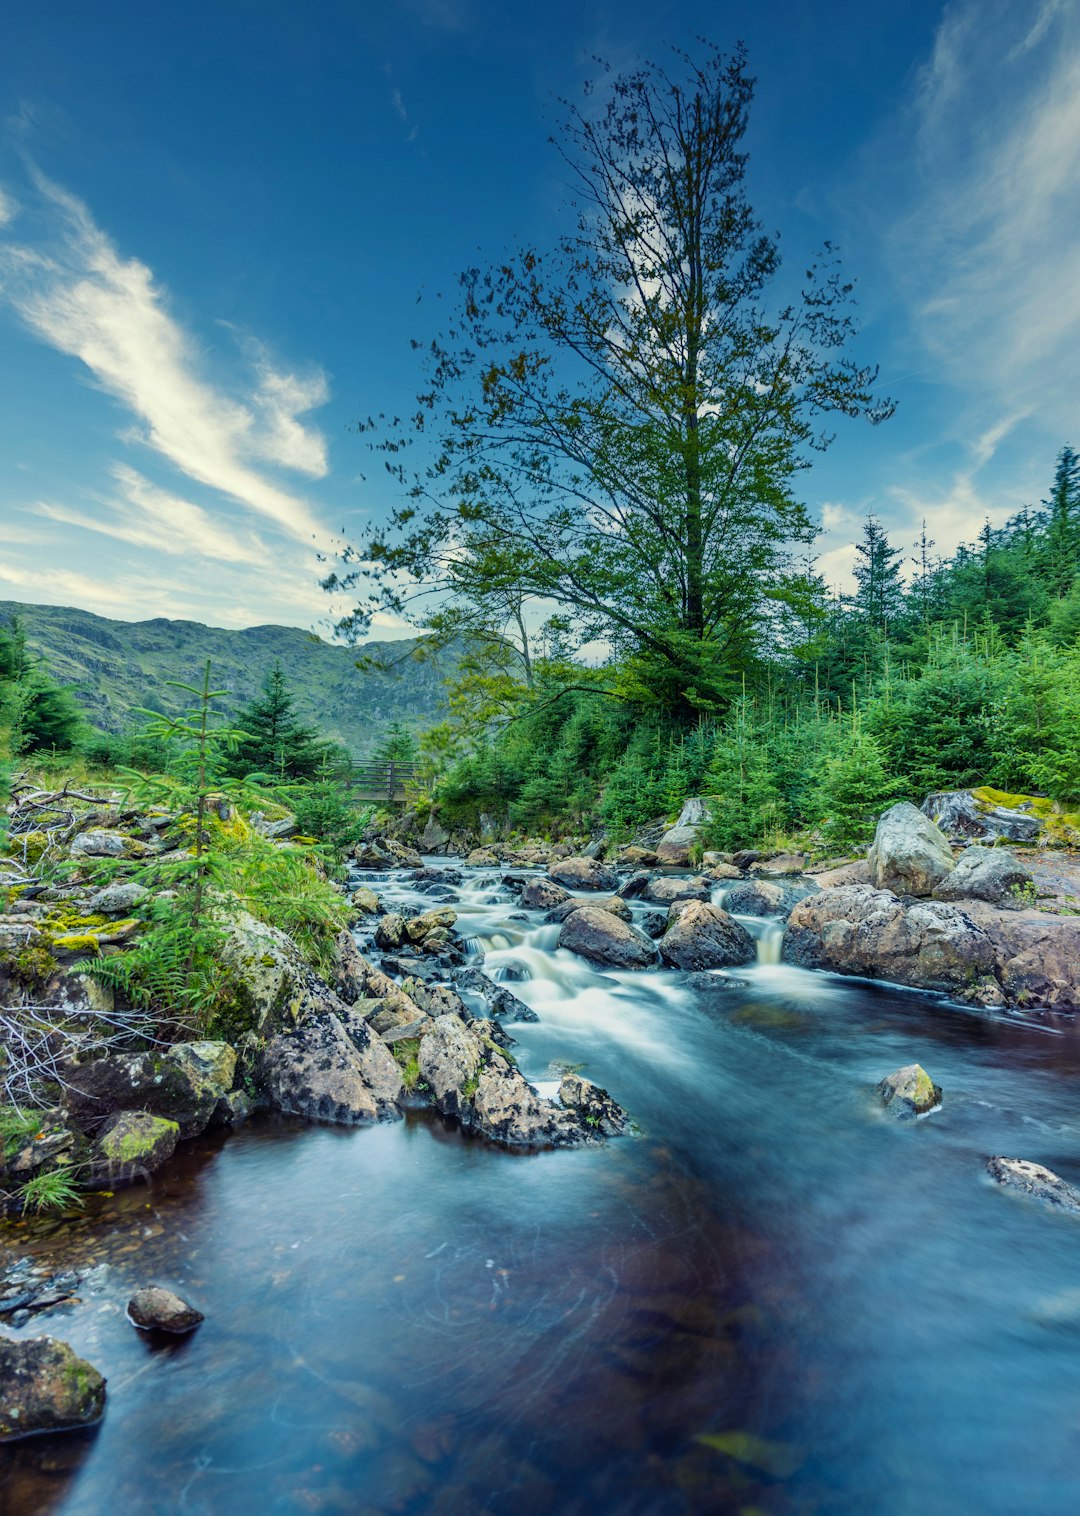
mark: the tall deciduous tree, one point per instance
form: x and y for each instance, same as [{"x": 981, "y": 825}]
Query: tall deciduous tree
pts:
[{"x": 618, "y": 424}]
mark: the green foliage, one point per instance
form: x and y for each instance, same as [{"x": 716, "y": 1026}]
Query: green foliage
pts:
[
  {"x": 325, "y": 811},
  {"x": 748, "y": 809},
  {"x": 36, "y": 713},
  {"x": 855, "y": 788},
  {"x": 15, "y": 1127},
  {"x": 283, "y": 887},
  {"x": 51, "y": 1190}
]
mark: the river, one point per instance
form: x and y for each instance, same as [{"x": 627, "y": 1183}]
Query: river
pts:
[{"x": 773, "y": 1299}]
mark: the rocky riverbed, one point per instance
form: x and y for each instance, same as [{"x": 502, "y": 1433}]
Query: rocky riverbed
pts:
[{"x": 498, "y": 1004}]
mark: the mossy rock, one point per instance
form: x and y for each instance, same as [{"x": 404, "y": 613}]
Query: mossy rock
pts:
[
  {"x": 132, "y": 1147},
  {"x": 46, "y": 1388},
  {"x": 1060, "y": 828}
]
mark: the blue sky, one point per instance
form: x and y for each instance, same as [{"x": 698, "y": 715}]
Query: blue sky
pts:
[{"x": 221, "y": 225}]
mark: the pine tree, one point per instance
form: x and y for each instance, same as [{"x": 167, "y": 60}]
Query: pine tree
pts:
[
  {"x": 880, "y": 593},
  {"x": 855, "y": 787},
  {"x": 274, "y": 741},
  {"x": 1062, "y": 550}
]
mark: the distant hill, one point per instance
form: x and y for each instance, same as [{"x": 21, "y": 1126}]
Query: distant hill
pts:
[{"x": 114, "y": 666}]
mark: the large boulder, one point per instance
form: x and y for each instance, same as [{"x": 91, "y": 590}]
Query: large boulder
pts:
[
  {"x": 471, "y": 1078},
  {"x": 606, "y": 940},
  {"x": 926, "y": 944},
  {"x": 908, "y": 1093},
  {"x": 268, "y": 986},
  {"x": 766, "y": 897},
  {"x": 613, "y": 903},
  {"x": 183, "y": 1083},
  {"x": 583, "y": 874},
  {"x": 909, "y": 855},
  {"x": 542, "y": 895},
  {"x": 46, "y": 1387},
  {"x": 1033, "y": 1179},
  {"x": 988, "y": 873},
  {"x": 677, "y": 843},
  {"x": 666, "y": 888},
  {"x": 702, "y": 936},
  {"x": 964, "y": 813},
  {"x": 131, "y": 1147},
  {"x": 1036, "y": 955},
  {"x": 333, "y": 1067}
]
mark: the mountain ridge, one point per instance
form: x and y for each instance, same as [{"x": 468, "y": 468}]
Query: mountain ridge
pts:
[{"x": 114, "y": 666}]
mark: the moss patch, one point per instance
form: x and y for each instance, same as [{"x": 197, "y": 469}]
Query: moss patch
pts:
[{"x": 1061, "y": 828}]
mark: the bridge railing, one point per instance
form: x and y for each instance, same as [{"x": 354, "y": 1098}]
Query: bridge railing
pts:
[{"x": 382, "y": 780}]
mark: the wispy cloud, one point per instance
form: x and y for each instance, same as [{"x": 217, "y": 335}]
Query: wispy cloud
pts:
[
  {"x": 8, "y": 208},
  {"x": 84, "y": 298},
  {"x": 989, "y": 250},
  {"x": 146, "y": 516}
]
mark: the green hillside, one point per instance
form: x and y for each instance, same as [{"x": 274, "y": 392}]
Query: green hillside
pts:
[{"x": 114, "y": 666}]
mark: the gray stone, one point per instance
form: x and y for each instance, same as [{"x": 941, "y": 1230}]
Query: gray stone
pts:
[
  {"x": 987, "y": 873},
  {"x": 926, "y": 944},
  {"x": 613, "y": 903},
  {"x": 960, "y": 814},
  {"x": 583, "y": 874},
  {"x": 593, "y": 1105},
  {"x": 606, "y": 940},
  {"x": 131, "y": 1147},
  {"x": 909, "y": 855},
  {"x": 542, "y": 895},
  {"x": 99, "y": 844},
  {"x": 1033, "y": 1179},
  {"x": 333, "y": 1067},
  {"x": 701, "y": 936},
  {"x": 183, "y": 1082},
  {"x": 117, "y": 899},
  {"x": 665, "y": 888},
  {"x": 157, "y": 1310}
]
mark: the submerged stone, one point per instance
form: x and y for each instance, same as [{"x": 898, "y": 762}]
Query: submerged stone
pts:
[{"x": 1033, "y": 1179}]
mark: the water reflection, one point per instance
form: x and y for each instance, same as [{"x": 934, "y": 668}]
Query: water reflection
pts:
[{"x": 772, "y": 1300}]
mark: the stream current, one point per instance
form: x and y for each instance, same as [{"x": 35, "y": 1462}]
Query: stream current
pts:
[{"x": 771, "y": 1300}]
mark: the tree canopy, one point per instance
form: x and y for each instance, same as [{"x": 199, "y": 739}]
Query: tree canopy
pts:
[{"x": 614, "y": 428}]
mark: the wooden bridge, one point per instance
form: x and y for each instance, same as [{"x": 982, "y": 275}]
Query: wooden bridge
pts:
[{"x": 386, "y": 782}]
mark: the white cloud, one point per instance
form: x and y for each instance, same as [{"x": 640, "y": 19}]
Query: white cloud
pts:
[
  {"x": 85, "y": 299},
  {"x": 146, "y": 516},
  {"x": 990, "y": 249},
  {"x": 8, "y": 208}
]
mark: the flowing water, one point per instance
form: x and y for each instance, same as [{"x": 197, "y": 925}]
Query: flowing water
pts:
[{"x": 773, "y": 1299}]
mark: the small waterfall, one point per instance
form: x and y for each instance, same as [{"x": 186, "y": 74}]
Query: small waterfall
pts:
[{"x": 770, "y": 942}]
